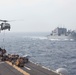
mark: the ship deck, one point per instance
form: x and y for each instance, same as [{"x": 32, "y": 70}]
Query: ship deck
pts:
[{"x": 6, "y": 68}]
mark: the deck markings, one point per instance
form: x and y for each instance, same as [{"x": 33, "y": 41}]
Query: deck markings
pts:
[
  {"x": 1, "y": 62},
  {"x": 45, "y": 68},
  {"x": 19, "y": 69},
  {"x": 27, "y": 68}
]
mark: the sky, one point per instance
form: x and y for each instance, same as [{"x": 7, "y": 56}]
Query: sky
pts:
[{"x": 38, "y": 15}]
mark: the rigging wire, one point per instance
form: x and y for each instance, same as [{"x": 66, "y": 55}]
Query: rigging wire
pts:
[{"x": 4, "y": 39}]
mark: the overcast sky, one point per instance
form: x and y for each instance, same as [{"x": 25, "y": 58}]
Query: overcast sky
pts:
[{"x": 38, "y": 15}]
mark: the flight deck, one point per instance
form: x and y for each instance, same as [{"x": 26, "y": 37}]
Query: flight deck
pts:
[{"x": 6, "y": 68}]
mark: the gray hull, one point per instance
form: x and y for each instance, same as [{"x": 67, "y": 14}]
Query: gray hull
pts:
[{"x": 63, "y": 37}]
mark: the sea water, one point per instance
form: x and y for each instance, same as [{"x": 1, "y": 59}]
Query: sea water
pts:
[{"x": 52, "y": 54}]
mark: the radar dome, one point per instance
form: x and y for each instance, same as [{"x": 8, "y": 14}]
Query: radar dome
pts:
[{"x": 62, "y": 71}]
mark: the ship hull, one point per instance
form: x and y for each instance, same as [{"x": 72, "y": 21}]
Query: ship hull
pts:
[{"x": 69, "y": 37}]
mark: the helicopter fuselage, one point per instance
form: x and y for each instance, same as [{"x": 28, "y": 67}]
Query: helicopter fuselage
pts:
[{"x": 5, "y": 26}]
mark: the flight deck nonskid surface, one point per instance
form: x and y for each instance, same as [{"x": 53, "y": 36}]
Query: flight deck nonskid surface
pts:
[
  {"x": 6, "y": 69},
  {"x": 29, "y": 68},
  {"x": 35, "y": 69}
]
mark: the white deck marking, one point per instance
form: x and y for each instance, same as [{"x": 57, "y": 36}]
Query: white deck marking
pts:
[
  {"x": 45, "y": 68},
  {"x": 1, "y": 62},
  {"x": 27, "y": 68}
]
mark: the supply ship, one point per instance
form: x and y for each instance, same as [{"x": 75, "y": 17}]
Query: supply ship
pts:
[
  {"x": 62, "y": 34},
  {"x": 12, "y": 64}
]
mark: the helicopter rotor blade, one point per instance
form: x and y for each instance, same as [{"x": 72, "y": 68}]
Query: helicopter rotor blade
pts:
[
  {"x": 4, "y": 20},
  {"x": 11, "y": 20},
  {"x": 16, "y": 20}
]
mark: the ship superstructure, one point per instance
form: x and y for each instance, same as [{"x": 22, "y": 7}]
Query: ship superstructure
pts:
[{"x": 62, "y": 33}]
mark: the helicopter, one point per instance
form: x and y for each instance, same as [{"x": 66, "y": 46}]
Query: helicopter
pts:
[{"x": 4, "y": 25}]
